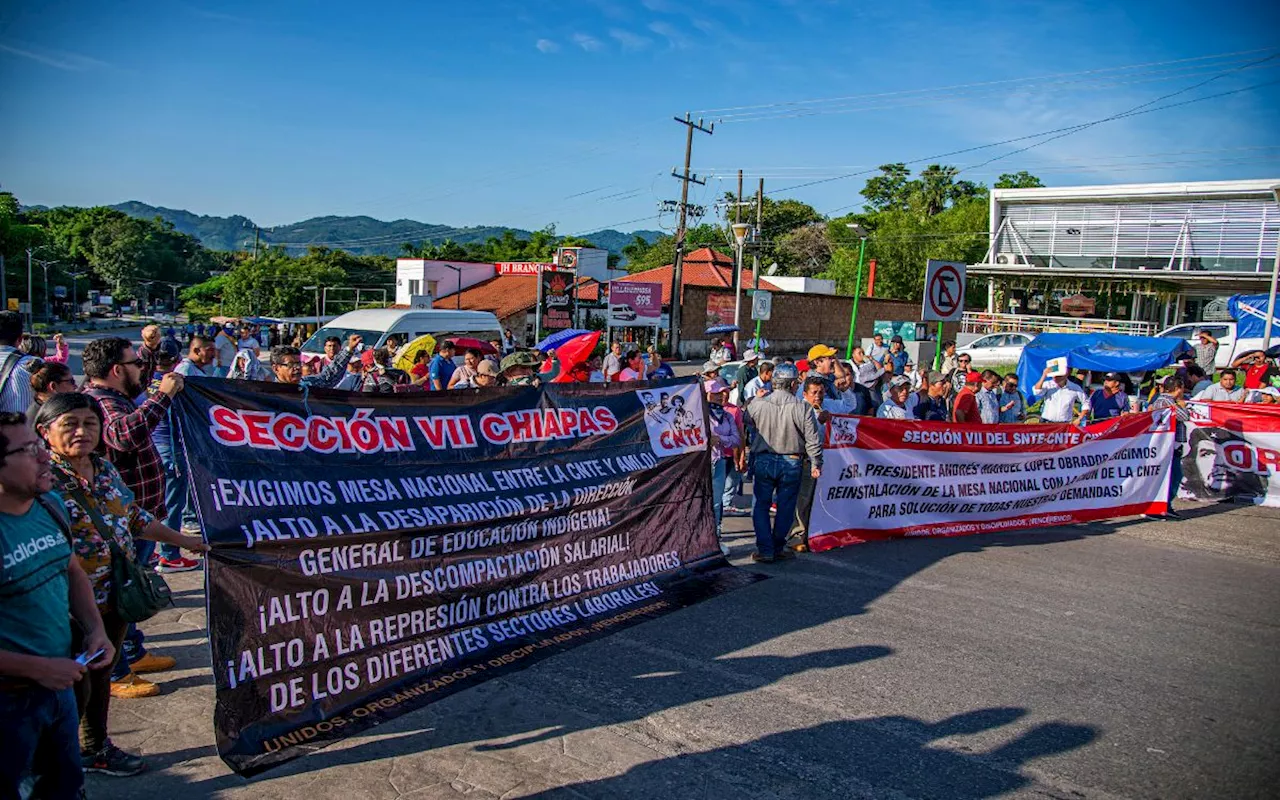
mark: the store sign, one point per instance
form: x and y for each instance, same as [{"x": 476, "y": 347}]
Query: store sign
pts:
[
  {"x": 556, "y": 297},
  {"x": 635, "y": 304},
  {"x": 1077, "y": 305},
  {"x": 525, "y": 267}
]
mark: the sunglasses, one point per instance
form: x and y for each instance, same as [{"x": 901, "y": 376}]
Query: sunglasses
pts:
[{"x": 133, "y": 363}]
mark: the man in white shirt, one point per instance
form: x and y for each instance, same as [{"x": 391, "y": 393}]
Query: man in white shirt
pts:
[
  {"x": 895, "y": 405},
  {"x": 877, "y": 351},
  {"x": 226, "y": 347},
  {"x": 1224, "y": 391},
  {"x": 1060, "y": 398}
]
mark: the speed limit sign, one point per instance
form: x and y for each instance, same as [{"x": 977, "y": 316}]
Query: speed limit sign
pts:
[{"x": 761, "y": 305}]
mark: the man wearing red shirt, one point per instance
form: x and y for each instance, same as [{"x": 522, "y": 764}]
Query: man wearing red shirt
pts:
[
  {"x": 966, "y": 403},
  {"x": 1257, "y": 369}
]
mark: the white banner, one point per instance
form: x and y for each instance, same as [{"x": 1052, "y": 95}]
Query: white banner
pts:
[{"x": 884, "y": 479}]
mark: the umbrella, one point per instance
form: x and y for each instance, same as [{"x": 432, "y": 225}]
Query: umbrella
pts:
[
  {"x": 575, "y": 351},
  {"x": 558, "y": 338},
  {"x": 1273, "y": 351},
  {"x": 469, "y": 343},
  {"x": 409, "y": 352},
  {"x": 714, "y": 329}
]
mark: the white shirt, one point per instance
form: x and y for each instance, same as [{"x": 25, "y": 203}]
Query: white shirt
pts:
[
  {"x": 226, "y": 347},
  {"x": 891, "y": 410},
  {"x": 630, "y": 374},
  {"x": 1059, "y": 402},
  {"x": 1217, "y": 394}
]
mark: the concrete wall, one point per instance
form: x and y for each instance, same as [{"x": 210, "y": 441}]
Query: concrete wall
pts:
[
  {"x": 799, "y": 320},
  {"x": 447, "y": 280}
]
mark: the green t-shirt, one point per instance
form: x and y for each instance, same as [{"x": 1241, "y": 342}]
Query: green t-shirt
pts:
[{"x": 34, "y": 609}]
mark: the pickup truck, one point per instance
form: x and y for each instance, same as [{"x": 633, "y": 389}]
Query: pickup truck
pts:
[{"x": 1229, "y": 347}]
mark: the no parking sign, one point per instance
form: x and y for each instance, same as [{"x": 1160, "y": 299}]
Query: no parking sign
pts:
[{"x": 944, "y": 284}]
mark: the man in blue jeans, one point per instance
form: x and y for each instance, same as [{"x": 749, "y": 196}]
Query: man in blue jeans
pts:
[
  {"x": 42, "y": 586},
  {"x": 786, "y": 430}
]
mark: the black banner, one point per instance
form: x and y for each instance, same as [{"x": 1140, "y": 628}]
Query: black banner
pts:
[{"x": 373, "y": 553}]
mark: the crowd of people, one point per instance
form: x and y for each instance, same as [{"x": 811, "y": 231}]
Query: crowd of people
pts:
[{"x": 93, "y": 476}]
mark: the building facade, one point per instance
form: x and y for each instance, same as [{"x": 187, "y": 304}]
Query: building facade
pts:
[{"x": 1154, "y": 254}]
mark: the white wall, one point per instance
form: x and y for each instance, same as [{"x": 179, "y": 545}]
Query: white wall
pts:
[
  {"x": 447, "y": 280},
  {"x": 809, "y": 285}
]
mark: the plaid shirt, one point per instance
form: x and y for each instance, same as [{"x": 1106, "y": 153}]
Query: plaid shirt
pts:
[{"x": 127, "y": 435}]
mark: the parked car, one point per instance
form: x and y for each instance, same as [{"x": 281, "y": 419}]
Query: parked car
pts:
[
  {"x": 375, "y": 325},
  {"x": 1229, "y": 347},
  {"x": 996, "y": 348}
]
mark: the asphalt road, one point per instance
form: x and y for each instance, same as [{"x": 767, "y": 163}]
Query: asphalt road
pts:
[
  {"x": 76, "y": 343},
  {"x": 1128, "y": 659}
]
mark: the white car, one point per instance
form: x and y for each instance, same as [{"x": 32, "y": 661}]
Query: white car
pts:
[
  {"x": 995, "y": 348},
  {"x": 1229, "y": 348}
]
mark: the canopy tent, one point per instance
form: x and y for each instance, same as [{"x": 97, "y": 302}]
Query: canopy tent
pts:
[
  {"x": 1096, "y": 352},
  {"x": 1250, "y": 313}
]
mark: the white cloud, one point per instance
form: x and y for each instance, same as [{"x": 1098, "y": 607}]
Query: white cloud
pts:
[
  {"x": 547, "y": 46},
  {"x": 674, "y": 36},
  {"x": 71, "y": 62},
  {"x": 630, "y": 41},
  {"x": 588, "y": 42}
]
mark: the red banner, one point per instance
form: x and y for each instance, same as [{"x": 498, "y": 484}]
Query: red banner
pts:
[{"x": 885, "y": 479}]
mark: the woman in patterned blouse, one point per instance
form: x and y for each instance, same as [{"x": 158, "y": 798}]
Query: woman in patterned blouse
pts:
[{"x": 71, "y": 423}]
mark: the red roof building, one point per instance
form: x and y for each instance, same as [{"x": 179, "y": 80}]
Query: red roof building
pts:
[{"x": 702, "y": 267}]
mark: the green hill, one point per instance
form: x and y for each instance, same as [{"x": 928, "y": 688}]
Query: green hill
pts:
[{"x": 358, "y": 235}]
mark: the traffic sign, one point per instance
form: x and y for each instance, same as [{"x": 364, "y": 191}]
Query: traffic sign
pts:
[
  {"x": 761, "y": 305},
  {"x": 944, "y": 284}
]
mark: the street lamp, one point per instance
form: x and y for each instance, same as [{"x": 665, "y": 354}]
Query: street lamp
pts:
[
  {"x": 45, "y": 265},
  {"x": 315, "y": 289},
  {"x": 740, "y": 231},
  {"x": 458, "y": 295},
  {"x": 1275, "y": 273},
  {"x": 146, "y": 295},
  {"x": 862, "y": 234},
  {"x": 75, "y": 304}
]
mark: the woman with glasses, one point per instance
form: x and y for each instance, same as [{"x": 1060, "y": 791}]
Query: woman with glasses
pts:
[{"x": 102, "y": 512}]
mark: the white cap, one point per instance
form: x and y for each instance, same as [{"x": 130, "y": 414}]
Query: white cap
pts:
[{"x": 750, "y": 355}]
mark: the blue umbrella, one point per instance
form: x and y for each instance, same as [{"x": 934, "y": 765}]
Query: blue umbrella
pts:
[
  {"x": 558, "y": 338},
  {"x": 714, "y": 329}
]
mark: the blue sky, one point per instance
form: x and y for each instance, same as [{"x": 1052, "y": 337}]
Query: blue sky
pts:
[{"x": 538, "y": 112}]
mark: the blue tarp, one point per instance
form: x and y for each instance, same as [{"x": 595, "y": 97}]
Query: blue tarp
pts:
[
  {"x": 1099, "y": 352},
  {"x": 1250, "y": 313}
]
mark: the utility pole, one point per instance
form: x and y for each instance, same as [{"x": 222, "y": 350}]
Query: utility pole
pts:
[
  {"x": 30, "y": 282},
  {"x": 677, "y": 270},
  {"x": 755, "y": 253},
  {"x": 737, "y": 273},
  {"x": 4, "y": 286}
]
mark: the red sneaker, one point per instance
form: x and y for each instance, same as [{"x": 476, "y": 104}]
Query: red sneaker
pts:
[{"x": 177, "y": 565}]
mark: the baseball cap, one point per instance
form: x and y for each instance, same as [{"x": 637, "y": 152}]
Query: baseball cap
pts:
[
  {"x": 785, "y": 372},
  {"x": 750, "y": 355},
  {"x": 710, "y": 366},
  {"x": 973, "y": 376},
  {"x": 1271, "y": 390},
  {"x": 896, "y": 340},
  {"x": 486, "y": 367},
  {"x": 901, "y": 380},
  {"x": 1112, "y": 376},
  {"x": 714, "y": 386},
  {"x": 936, "y": 377},
  {"x": 367, "y": 358},
  {"x": 820, "y": 351}
]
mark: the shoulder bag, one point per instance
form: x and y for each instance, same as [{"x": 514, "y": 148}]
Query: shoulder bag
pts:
[{"x": 139, "y": 593}]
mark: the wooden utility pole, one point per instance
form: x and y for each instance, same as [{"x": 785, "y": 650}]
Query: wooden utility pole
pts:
[
  {"x": 737, "y": 273},
  {"x": 677, "y": 271},
  {"x": 755, "y": 252}
]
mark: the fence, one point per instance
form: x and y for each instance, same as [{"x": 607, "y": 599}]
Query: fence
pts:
[{"x": 981, "y": 323}]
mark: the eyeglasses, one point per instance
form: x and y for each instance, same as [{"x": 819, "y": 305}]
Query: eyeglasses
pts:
[
  {"x": 34, "y": 448},
  {"x": 133, "y": 363},
  {"x": 290, "y": 364}
]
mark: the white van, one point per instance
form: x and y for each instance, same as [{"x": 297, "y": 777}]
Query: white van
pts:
[{"x": 375, "y": 325}]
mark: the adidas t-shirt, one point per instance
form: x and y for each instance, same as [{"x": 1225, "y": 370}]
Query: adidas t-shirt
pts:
[{"x": 34, "y": 609}]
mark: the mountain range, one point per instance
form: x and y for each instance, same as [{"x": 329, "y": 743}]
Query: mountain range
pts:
[{"x": 358, "y": 235}]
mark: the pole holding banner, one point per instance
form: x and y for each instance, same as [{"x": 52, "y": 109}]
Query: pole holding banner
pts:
[{"x": 860, "y": 232}]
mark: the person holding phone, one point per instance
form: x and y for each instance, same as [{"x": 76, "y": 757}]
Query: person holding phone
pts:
[
  {"x": 43, "y": 586},
  {"x": 105, "y": 519}
]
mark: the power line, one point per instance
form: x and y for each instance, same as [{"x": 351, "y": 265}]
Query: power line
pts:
[{"x": 1004, "y": 82}]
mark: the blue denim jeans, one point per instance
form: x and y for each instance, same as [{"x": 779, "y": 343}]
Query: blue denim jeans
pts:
[
  {"x": 176, "y": 490},
  {"x": 1175, "y": 477},
  {"x": 717, "y": 491},
  {"x": 777, "y": 480},
  {"x": 732, "y": 482},
  {"x": 41, "y": 743}
]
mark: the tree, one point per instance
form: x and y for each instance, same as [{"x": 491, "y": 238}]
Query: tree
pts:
[
  {"x": 1018, "y": 180},
  {"x": 888, "y": 190},
  {"x": 663, "y": 249},
  {"x": 806, "y": 250}
]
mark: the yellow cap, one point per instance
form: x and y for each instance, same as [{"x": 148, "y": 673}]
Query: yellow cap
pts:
[{"x": 821, "y": 351}]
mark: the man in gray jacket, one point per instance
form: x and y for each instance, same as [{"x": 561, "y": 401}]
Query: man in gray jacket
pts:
[{"x": 786, "y": 429}]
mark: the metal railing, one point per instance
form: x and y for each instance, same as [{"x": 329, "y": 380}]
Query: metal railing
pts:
[{"x": 980, "y": 322}]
